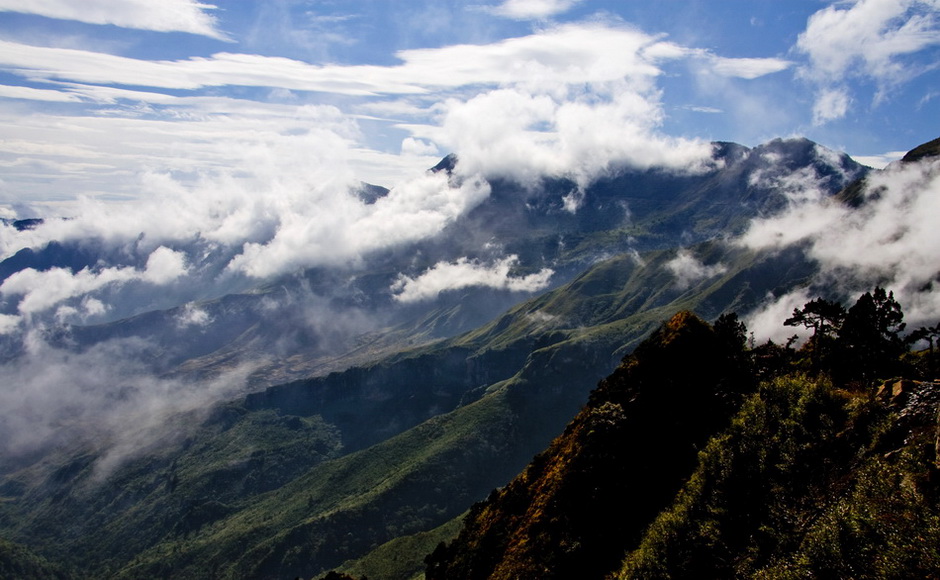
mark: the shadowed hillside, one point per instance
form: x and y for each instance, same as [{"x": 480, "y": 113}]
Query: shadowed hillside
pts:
[{"x": 602, "y": 482}]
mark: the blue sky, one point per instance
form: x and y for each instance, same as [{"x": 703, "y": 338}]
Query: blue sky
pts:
[{"x": 99, "y": 96}]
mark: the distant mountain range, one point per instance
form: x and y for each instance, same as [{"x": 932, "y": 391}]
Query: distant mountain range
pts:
[{"x": 373, "y": 423}]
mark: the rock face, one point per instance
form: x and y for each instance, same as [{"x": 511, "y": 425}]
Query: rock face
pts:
[{"x": 619, "y": 462}]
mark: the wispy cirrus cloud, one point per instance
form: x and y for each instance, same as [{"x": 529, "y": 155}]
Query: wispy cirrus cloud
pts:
[{"x": 164, "y": 16}]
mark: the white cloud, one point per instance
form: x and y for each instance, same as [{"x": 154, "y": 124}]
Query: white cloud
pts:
[
  {"x": 103, "y": 397},
  {"x": 41, "y": 290},
  {"x": 580, "y": 112},
  {"x": 864, "y": 39},
  {"x": 531, "y": 9},
  {"x": 31, "y": 94},
  {"x": 193, "y": 315},
  {"x": 891, "y": 239},
  {"x": 688, "y": 270},
  {"x": 569, "y": 54},
  {"x": 831, "y": 104},
  {"x": 702, "y": 109},
  {"x": 524, "y": 135},
  {"x": 766, "y": 322},
  {"x": 419, "y": 147},
  {"x": 164, "y": 266},
  {"x": 879, "y": 161},
  {"x": 162, "y": 16},
  {"x": 9, "y": 323},
  {"x": 349, "y": 229},
  {"x": 465, "y": 273},
  {"x": 747, "y": 68}
]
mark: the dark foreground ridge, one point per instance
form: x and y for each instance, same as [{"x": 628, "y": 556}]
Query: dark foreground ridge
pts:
[{"x": 618, "y": 463}]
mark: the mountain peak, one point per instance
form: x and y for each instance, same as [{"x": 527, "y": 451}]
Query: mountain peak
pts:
[
  {"x": 929, "y": 149},
  {"x": 447, "y": 164}
]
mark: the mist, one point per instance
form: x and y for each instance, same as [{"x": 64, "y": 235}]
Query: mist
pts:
[
  {"x": 104, "y": 399},
  {"x": 889, "y": 240}
]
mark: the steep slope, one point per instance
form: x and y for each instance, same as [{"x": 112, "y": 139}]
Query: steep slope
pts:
[
  {"x": 599, "y": 484},
  {"x": 808, "y": 482},
  {"x": 805, "y": 480}
]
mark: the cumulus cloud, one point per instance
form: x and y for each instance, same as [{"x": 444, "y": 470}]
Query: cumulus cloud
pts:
[
  {"x": 688, "y": 269},
  {"x": 864, "y": 39},
  {"x": 412, "y": 146},
  {"x": 891, "y": 239},
  {"x": 163, "y": 16},
  {"x": 524, "y": 134},
  {"x": 465, "y": 273},
  {"x": 532, "y": 9}
]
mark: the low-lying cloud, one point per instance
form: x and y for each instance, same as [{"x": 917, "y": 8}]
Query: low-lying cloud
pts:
[
  {"x": 465, "y": 273},
  {"x": 104, "y": 398},
  {"x": 688, "y": 269},
  {"x": 295, "y": 209},
  {"x": 891, "y": 239}
]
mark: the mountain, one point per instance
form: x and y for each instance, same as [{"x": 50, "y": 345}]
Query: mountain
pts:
[
  {"x": 691, "y": 470},
  {"x": 353, "y": 445},
  {"x": 326, "y": 319}
]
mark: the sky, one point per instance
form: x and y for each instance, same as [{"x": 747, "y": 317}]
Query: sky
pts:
[{"x": 101, "y": 98}]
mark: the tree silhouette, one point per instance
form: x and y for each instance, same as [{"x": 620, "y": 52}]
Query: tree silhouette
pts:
[
  {"x": 869, "y": 342},
  {"x": 825, "y": 318}
]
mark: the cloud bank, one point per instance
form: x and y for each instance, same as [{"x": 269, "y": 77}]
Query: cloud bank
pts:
[
  {"x": 890, "y": 240},
  {"x": 228, "y": 232}
]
